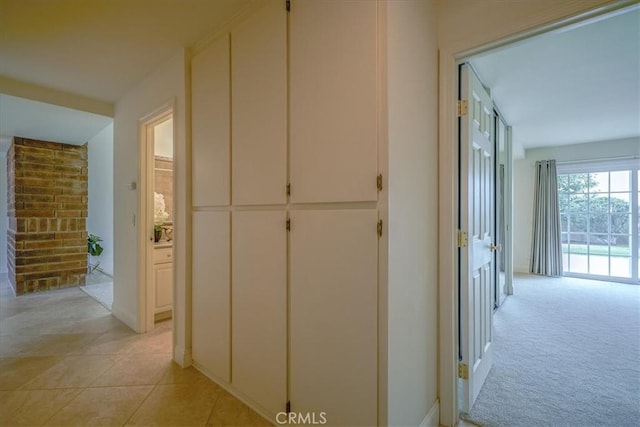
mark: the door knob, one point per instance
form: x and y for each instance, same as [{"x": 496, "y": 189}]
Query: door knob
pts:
[{"x": 495, "y": 248}]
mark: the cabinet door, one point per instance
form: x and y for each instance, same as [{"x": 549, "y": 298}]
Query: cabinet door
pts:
[
  {"x": 164, "y": 286},
  {"x": 333, "y": 324},
  {"x": 259, "y": 105},
  {"x": 210, "y": 124},
  {"x": 333, "y": 101},
  {"x": 211, "y": 329},
  {"x": 259, "y": 332}
]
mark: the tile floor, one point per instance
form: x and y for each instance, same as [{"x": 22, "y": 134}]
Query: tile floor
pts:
[{"x": 65, "y": 361}]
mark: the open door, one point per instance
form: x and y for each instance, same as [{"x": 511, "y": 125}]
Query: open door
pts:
[{"x": 477, "y": 236}]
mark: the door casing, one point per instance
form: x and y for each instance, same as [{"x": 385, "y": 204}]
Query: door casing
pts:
[
  {"x": 451, "y": 54},
  {"x": 146, "y": 295}
]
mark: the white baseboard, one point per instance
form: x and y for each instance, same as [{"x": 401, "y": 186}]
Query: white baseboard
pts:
[
  {"x": 125, "y": 317},
  {"x": 433, "y": 417},
  {"x": 182, "y": 357}
]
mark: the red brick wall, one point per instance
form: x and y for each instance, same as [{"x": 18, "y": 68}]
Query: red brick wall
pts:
[{"x": 47, "y": 210}]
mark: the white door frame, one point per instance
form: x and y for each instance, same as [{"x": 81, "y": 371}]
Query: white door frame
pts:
[
  {"x": 146, "y": 291},
  {"x": 450, "y": 55}
]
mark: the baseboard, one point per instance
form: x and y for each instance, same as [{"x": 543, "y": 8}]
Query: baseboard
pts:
[
  {"x": 123, "y": 316},
  {"x": 433, "y": 416},
  {"x": 182, "y": 356}
]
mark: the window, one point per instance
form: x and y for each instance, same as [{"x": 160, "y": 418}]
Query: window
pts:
[{"x": 599, "y": 206}]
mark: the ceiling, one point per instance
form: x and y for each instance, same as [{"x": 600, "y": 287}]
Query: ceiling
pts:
[
  {"x": 100, "y": 48},
  {"x": 578, "y": 84},
  {"x": 97, "y": 49},
  {"x": 575, "y": 85},
  {"x": 37, "y": 120}
]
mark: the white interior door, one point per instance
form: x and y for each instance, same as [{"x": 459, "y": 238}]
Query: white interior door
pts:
[{"x": 477, "y": 210}]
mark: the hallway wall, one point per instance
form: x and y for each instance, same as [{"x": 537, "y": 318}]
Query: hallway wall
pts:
[{"x": 100, "y": 219}]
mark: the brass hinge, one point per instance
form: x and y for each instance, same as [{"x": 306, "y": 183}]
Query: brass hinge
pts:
[
  {"x": 379, "y": 182},
  {"x": 287, "y": 5},
  {"x": 463, "y": 371},
  {"x": 288, "y": 226},
  {"x": 463, "y": 239},
  {"x": 380, "y": 228},
  {"x": 463, "y": 107},
  {"x": 288, "y": 189}
]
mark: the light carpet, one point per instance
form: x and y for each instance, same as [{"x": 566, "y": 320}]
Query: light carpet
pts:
[{"x": 567, "y": 353}]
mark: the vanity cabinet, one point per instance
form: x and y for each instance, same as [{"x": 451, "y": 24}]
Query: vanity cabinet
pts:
[{"x": 163, "y": 279}]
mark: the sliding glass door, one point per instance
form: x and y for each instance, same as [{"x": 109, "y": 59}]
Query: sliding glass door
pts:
[{"x": 599, "y": 217}]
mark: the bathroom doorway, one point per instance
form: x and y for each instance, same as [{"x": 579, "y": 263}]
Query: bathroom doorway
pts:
[{"x": 157, "y": 214}]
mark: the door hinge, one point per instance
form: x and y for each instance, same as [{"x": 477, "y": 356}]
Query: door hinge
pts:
[
  {"x": 379, "y": 182},
  {"x": 287, "y": 5},
  {"x": 463, "y": 371},
  {"x": 288, "y": 224},
  {"x": 463, "y": 107},
  {"x": 288, "y": 189},
  {"x": 287, "y": 407},
  {"x": 380, "y": 228},
  {"x": 463, "y": 239}
]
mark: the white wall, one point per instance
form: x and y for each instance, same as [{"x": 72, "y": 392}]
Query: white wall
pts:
[
  {"x": 523, "y": 184},
  {"x": 3, "y": 212},
  {"x": 165, "y": 85},
  {"x": 100, "y": 220},
  {"x": 412, "y": 284}
]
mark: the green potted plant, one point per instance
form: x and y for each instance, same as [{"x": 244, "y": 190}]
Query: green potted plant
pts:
[{"x": 94, "y": 249}]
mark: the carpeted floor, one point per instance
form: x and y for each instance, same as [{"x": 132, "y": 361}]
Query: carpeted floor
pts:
[{"x": 567, "y": 354}]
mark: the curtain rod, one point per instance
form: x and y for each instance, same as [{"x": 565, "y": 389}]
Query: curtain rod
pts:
[{"x": 601, "y": 159}]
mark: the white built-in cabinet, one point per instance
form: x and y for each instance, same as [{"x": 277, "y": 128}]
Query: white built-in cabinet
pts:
[
  {"x": 333, "y": 53},
  {"x": 210, "y": 88},
  {"x": 259, "y": 306},
  {"x": 259, "y": 108},
  {"x": 211, "y": 293},
  {"x": 285, "y": 286}
]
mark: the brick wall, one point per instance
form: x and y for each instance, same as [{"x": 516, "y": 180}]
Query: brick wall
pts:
[{"x": 47, "y": 212}]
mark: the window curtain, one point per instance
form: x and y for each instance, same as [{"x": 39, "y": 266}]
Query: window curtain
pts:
[{"x": 546, "y": 251}]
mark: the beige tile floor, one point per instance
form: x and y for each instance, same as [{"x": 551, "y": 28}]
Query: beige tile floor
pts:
[{"x": 65, "y": 361}]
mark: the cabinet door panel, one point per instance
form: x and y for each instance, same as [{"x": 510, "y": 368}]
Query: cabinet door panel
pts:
[
  {"x": 333, "y": 101},
  {"x": 210, "y": 124},
  {"x": 211, "y": 329},
  {"x": 259, "y": 104},
  {"x": 333, "y": 323},
  {"x": 164, "y": 286},
  {"x": 260, "y": 307}
]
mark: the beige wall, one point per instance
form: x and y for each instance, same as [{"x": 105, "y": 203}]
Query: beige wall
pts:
[
  {"x": 166, "y": 85},
  {"x": 412, "y": 139}
]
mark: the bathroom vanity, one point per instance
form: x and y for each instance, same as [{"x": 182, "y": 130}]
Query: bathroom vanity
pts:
[{"x": 163, "y": 279}]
